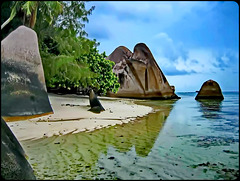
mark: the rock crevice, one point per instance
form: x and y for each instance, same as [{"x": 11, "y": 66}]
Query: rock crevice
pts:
[{"x": 139, "y": 74}]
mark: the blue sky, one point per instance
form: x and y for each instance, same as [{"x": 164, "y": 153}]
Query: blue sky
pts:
[{"x": 192, "y": 41}]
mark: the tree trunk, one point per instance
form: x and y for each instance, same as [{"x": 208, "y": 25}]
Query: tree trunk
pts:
[
  {"x": 5, "y": 23},
  {"x": 33, "y": 16}
]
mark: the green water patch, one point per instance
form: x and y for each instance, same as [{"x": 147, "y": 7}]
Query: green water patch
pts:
[
  {"x": 169, "y": 143},
  {"x": 76, "y": 155},
  {"x": 209, "y": 141},
  {"x": 221, "y": 171}
]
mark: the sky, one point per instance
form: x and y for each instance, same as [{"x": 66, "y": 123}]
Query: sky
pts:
[{"x": 192, "y": 41}]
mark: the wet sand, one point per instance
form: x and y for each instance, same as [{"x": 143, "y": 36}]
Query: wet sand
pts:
[
  {"x": 85, "y": 156},
  {"x": 71, "y": 116},
  {"x": 179, "y": 140}
]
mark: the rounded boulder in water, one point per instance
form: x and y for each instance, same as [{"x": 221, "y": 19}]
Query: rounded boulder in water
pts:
[{"x": 210, "y": 90}]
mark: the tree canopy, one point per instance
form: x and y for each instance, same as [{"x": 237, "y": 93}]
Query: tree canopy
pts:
[{"x": 70, "y": 60}]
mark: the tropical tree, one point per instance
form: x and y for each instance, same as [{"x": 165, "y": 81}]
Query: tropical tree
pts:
[
  {"x": 74, "y": 17},
  {"x": 9, "y": 24},
  {"x": 105, "y": 79},
  {"x": 66, "y": 37},
  {"x": 62, "y": 66},
  {"x": 70, "y": 60},
  {"x": 12, "y": 15},
  {"x": 30, "y": 9}
]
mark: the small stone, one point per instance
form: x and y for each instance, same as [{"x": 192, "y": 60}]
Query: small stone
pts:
[{"x": 111, "y": 157}]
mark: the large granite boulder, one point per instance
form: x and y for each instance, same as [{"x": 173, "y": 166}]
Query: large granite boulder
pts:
[
  {"x": 23, "y": 89},
  {"x": 210, "y": 90},
  {"x": 14, "y": 165},
  {"x": 139, "y": 74}
]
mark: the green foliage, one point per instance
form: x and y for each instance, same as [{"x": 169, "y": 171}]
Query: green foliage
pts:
[
  {"x": 64, "y": 71},
  {"x": 29, "y": 6},
  {"x": 6, "y": 11},
  {"x": 30, "y": 9},
  {"x": 14, "y": 9},
  {"x": 69, "y": 44},
  {"x": 50, "y": 10},
  {"x": 66, "y": 38},
  {"x": 60, "y": 47},
  {"x": 89, "y": 69},
  {"x": 74, "y": 16},
  {"x": 69, "y": 59},
  {"x": 60, "y": 54},
  {"x": 105, "y": 80}
]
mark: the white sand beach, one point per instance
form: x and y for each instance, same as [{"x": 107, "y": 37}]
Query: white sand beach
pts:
[{"x": 71, "y": 115}]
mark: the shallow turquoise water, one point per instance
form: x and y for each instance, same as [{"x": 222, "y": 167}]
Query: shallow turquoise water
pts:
[{"x": 183, "y": 139}]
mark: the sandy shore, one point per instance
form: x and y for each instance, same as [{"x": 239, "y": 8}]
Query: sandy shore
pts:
[{"x": 71, "y": 115}]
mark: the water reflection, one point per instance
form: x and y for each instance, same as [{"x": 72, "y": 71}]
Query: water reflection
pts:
[
  {"x": 136, "y": 151},
  {"x": 142, "y": 134},
  {"x": 65, "y": 157},
  {"x": 226, "y": 119},
  {"x": 210, "y": 108}
]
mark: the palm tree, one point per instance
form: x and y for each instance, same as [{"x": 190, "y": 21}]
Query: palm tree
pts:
[
  {"x": 15, "y": 8},
  {"x": 31, "y": 8}
]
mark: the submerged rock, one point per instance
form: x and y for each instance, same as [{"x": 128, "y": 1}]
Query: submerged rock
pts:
[
  {"x": 14, "y": 165},
  {"x": 139, "y": 74},
  {"x": 210, "y": 90}
]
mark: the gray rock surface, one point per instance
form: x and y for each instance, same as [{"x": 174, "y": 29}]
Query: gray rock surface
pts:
[
  {"x": 23, "y": 89},
  {"x": 139, "y": 74},
  {"x": 14, "y": 165}
]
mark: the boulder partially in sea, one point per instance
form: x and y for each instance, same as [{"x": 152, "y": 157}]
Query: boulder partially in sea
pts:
[
  {"x": 23, "y": 88},
  {"x": 14, "y": 165},
  {"x": 210, "y": 90},
  {"x": 139, "y": 74}
]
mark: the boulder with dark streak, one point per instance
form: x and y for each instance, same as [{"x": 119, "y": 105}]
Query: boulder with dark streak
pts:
[
  {"x": 23, "y": 89},
  {"x": 139, "y": 74},
  {"x": 23, "y": 96}
]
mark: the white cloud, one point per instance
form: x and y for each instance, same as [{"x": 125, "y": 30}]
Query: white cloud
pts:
[
  {"x": 168, "y": 48},
  {"x": 173, "y": 56},
  {"x": 163, "y": 36},
  {"x": 183, "y": 36}
]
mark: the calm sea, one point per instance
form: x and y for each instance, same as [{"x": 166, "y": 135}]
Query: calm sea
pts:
[{"x": 183, "y": 139}]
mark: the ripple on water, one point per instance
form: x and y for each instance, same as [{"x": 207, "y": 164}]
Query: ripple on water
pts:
[{"x": 159, "y": 146}]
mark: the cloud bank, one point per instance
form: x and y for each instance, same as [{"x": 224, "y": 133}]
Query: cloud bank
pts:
[{"x": 187, "y": 38}]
